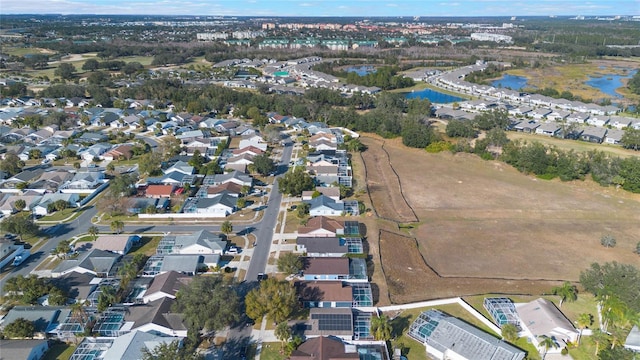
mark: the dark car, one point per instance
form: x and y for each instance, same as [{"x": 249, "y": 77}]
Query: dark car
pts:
[{"x": 262, "y": 276}]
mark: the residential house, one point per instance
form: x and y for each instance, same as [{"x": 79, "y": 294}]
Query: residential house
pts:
[
  {"x": 237, "y": 177},
  {"x": 85, "y": 180},
  {"x": 7, "y": 204},
  {"x": 540, "y": 113},
  {"x": 322, "y": 226},
  {"x": 156, "y": 317},
  {"x": 329, "y": 246},
  {"x": 239, "y": 162},
  {"x": 594, "y": 134},
  {"x": 24, "y": 349},
  {"x": 200, "y": 242},
  {"x": 220, "y": 205},
  {"x": 541, "y": 318},
  {"x": 132, "y": 345},
  {"x": 26, "y": 176},
  {"x": 78, "y": 286},
  {"x": 326, "y": 268},
  {"x": 614, "y": 136},
  {"x": 229, "y": 188},
  {"x": 97, "y": 262},
  {"x": 332, "y": 192},
  {"x": 183, "y": 264},
  {"x": 620, "y": 122},
  {"x": 578, "y": 118},
  {"x": 446, "y": 337},
  {"x": 139, "y": 205},
  {"x": 95, "y": 151},
  {"x": 324, "y": 348},
  {"x": 44, "y": 318},
  {"x": 254, "y": 140},
  {"x": 119, "y": 244},
  {"x": 51, "y": 180},
  {"x": 72, "y": 199},
  {"x": 334, "y": 294},
  {"x": 166, "y": 285},
  {"x": 251, "y": 150},
  {"x": 527, "y": 126},
  {"x": 176, "y": 178},
  {"x": 548, "y": 129},
  {"x": 598, "y": 120},
  {"x": 159, "y": 191},
  {"x": 181, "y": 167},
  {"x": 119, "y": 152}
]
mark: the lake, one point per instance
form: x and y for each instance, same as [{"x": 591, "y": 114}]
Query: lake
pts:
[
  {"x": 512, "y": 82},
  {"x": 608, "y": 83},
  {"x": 362, "y": 70},
  {"x": 434, "y": 96}
]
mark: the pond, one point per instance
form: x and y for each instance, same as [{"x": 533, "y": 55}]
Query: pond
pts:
[
  {"x": 608, "y": 83},
  {"x": 362, "y": 70},
  {"x": 433, "y": 96},
  {"x": 512, "y": 82}
]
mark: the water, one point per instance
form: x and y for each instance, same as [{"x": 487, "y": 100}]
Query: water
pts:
[
  {"x": 608, "y": 83},
  {"x": 362, "y": 70},
  {"x": 512, "y": 82},
  {"x": 434, "y": 96}
]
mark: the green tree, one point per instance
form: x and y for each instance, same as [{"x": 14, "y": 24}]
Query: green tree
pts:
[
  {"x": 149, "y": 164},
  {"x": 107, "y": 297},
  {"x": 90, "y": 65},
  {"x": 417, "y": 135},
  {"x": 122, "y": 185},
  {"x": 631, "y": 138},
  {"x": 208, "y": 303},
  {"x": 241, "y": 203},
  {"x": 11, "y": 164},
  {"x": 509, "y": 332},
  {"x": 303, "y": 210},
  {"x": 19, "y": 205},
  {"x": 295, "y": 181},
  {"x": 583, "y": 321},
  {"x": 19, "y": 328},
  {"x": 637, "y": 251},
  {"x": 289, "y": 263},
  {"x": 65, "y": 71},
  {"x": 170, "y": 351},
  {"x": 226, "y": 227},
  {"x": 275, "y": 299},
  {"x": 283, "y": 332},
  {"x": 599, "y": 338},
  {"x": 57, "y": 297},
  {"x": 35, "y": 154},
  {"x": 608, "y": 241},
  {"x": 546, "y": 343},
  {"x": 20, "y": 224},
  {"x": 381, "y": 328},
  {"x": 459, "y": 128},
  {"x": 264, "y": 164},
  {"x": 27, "y": 289},
  {"x": 63, "y": 247},
  {"x": 117, "y": 226},
  {"x": 566, "y": 292}
]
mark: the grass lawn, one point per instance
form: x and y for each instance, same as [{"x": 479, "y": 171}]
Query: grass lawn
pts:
[
  {"x": 59, "y": 351},
  {"x": 271, "y": 351},
  {"x": 147, "y": 245},
  {"x": 85, "y": 238},
  {"x": 586, "y": 350},
  {"x": 575, "y": 145},
  {"x": 63, "y": 215}
]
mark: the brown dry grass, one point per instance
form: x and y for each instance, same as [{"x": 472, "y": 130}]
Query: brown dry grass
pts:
[
  {"x": 384, "y": 185},
  {"x": 482, "y": 221}
]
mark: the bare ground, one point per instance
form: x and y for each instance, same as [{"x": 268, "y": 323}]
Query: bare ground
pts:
[{"x": 485, "y": 227}]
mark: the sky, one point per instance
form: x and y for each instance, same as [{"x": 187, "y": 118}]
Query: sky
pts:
[{"x": 325, "y": 7}]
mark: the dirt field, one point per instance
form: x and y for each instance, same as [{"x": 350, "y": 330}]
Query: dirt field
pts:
[
  {"x": 384, "y": 186},
  {"x": 482, "y": 220}
]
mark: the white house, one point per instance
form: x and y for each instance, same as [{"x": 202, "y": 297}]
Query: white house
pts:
[{"x": 72, "y": 200}]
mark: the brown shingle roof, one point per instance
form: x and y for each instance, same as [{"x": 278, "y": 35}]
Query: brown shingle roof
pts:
[
  {"x": 159, "y": 190},
  {"x": 322, "y": 348},
  {"x": 321, "y": 222},
  {"x": 327, "y": 266},
  {"x": 324, "y": 291}
]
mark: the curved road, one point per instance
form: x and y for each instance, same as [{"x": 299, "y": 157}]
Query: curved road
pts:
[{"x": 263, "y": 230}]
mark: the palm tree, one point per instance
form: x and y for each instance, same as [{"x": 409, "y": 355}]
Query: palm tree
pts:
[
  {"x": 509, "y": 332},
  {"x": 584, "y": 321},
  {"x": 381, "y": 328},
  {"x": 226, "y": 227},
  {"x": 547, "y": 343},
  {"x": 599, "y": 337},
  {"x": 567, "y": 292},
  {"x": 117, "y": 226},
  {"x": 19, "y": 204},
  {"x": 93, "y": 231},
  {"x": 283, "y": 332}
]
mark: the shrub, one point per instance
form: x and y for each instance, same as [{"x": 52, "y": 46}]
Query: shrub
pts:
[{"x": 439, "y": 146}]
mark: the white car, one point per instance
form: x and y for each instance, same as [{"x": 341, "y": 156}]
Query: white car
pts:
[{"x": 233, "y": 250}]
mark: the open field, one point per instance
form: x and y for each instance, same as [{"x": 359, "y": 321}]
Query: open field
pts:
[
  {"x": 572, "y": 77},
  {"x": 575, "y": 145},
  {"x": 484, "y": 227}
]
